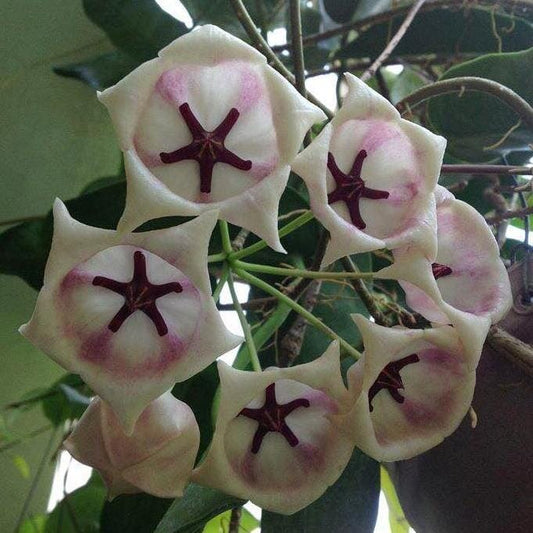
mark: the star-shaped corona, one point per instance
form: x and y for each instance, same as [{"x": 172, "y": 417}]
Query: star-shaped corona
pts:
[
  {"x": 351, "y": 188},
  {"x": 139, "y": 295},
  {"x": 207, "y": 147},
  {"x": 271, "y": 417},
  {"x": 389, "y": 379}
]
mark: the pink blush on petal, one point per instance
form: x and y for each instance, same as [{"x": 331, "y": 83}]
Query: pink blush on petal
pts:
[
  {"x": 378, "y": 133},
  {"x": 252, "y": 89},
  {"x": 172, "y": 86}
]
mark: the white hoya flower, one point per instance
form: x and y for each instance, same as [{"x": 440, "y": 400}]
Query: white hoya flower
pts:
[
  {"x": 411, "y": 389},
  {"x": 157, "y": 458},
  {"x": 208, "y": 125},
  {"x": 371, "y": 176},
  {"x": 276, "y": 441},
  {"x": 130, "y": 313}
]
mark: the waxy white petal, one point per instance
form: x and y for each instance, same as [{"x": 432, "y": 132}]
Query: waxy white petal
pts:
[{"x": 157, "y": 458}]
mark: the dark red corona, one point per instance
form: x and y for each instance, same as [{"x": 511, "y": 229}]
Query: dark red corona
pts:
[
  {"x": 271, "y": 417},
  {"x": 207, "y": 147},
  {"x": 139, "y": 295},
  {"x": 351, "y": 188}
]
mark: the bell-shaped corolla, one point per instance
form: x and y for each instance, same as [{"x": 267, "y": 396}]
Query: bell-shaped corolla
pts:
[
  {"x": 276, "y": 441},
  {"x": 371, "y": 176},
  {"x": 467, "y": 269},
  {"x": 208, "y": 124},
  {"x": 157, "y": 458},
  {"x": 130, "y": 313},
  {"x": 411, "y": 389}
]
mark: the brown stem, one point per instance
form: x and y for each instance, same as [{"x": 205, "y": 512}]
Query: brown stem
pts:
[
  {"x": 518, "y": 352},
  {"x": 367, "y": 74},
  {"x": 365, "y": 24},
  {"x": 485, "y": 169},
  {"x": 297, "y": 47},
  {"x": 235, "y": 520},
  {"x": 518, "y": 213},
  {"x": 260, "y": 43},
  {"x": 365, "y": 295},
  {"x": 470, "y": 83}
]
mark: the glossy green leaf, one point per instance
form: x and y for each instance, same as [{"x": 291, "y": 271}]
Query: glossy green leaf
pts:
[
  {"x": 99, "y": 72},
  {"x": 139, "y": 28},
  {"x": 336, "y": 301},
  {"x": 408, "y": 81},
  {"x": 24, "y": 248},
  {"x": 198, "y": 393},
  {"x": 262, "y": 333},
  {"x": 197, "y": 506},
  {"x": 475, "y": 121},
  {"x": 350, "y": 505},
  {"x": 79, "y": 511},
  {"x": 445, "y": 31},
  {"x": 220, "y": 523},
  {"x": 64, "y": 400},
  {"x": 340, "y": 11},
  {"x": 133, "y": 513},
  {"x": 267, "y": 14}
]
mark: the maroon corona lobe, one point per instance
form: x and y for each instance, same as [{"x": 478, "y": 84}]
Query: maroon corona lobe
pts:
[
  {"x": 389, "y": 378},
  {"x": 440, "y": 271},
  {"x": 351, "y": 188},
  {"x": 207, "y": 147},
  {"x": 271, "y": 417},
  {"x": 139, "y": 295}
]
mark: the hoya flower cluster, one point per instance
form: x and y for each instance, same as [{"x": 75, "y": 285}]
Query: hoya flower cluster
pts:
[{"x": 208, "y": 129}]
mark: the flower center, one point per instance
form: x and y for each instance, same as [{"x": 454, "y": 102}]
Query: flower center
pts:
[
  {"x": 207, "y": 147},
  {"x": 271, "y": 417},
  {"x": 439, "y": 271},
  {"x": 351, "y": 188},
  {"x": 139, "y": 295},
  {"x": 389, "y": 378}
]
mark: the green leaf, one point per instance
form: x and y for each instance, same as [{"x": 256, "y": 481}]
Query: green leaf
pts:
[
  {"x": 475, "y": 120},
  {"x": 340, "y": 11},
  {"x": 64, "y": 401},
  {"x": 197, "y": 506},
  {"x": 336, "y": 301},
  {"x": 34, "y": 524},
  {"x": 220, "y": 523},
  {"x": 262, "y": 334},
  {"x": 79, "y": 511},
  {"x": 444, "y": 31},
  {"x": 134, "y": 513},
  {"x": 267, "y": 14},
  {"x": 198, "y": 393},
  {"x": 99, "y": 72},
  {"x": 24, "y": 248},
  {"x": 351, "y": 504},
  {"x": 408, "y": 81},
  {"x": 139, "y": 28}
]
